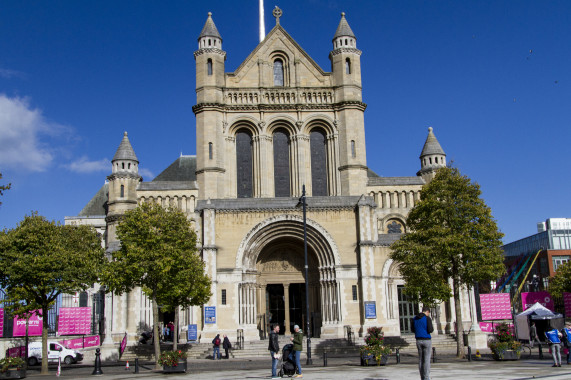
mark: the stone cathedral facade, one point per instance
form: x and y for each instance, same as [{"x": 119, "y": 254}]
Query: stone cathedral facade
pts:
[{"x": 263, "y": 132}]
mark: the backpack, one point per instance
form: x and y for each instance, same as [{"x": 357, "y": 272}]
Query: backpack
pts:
[{"x": 217, "y": 342}]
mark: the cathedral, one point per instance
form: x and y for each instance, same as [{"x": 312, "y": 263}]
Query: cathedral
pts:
[{"x": 266, "y": 133}]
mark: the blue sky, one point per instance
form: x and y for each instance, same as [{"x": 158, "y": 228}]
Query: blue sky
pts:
[{"x": 493, "y": 78}]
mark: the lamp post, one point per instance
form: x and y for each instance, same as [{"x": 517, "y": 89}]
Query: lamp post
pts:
[{"x": 304, "y": 205}]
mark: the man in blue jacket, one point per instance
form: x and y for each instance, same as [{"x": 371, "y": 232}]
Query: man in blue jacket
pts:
[{"x": 422, "y": 327}]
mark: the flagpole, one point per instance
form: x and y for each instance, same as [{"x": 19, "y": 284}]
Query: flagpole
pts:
[{"x": 262, "y": 23}]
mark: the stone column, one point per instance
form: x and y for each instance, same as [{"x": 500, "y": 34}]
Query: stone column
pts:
[{"x": 287, "y": 309}]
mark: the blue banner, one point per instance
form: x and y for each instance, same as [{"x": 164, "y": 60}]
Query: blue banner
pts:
[
  {"x": 370, "y": 310},
  {"x": 192, "y": 334},
  {"x": 210, "y": 314}
]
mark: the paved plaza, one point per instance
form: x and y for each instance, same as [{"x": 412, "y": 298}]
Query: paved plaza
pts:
[{"x": 340, "y": 368}]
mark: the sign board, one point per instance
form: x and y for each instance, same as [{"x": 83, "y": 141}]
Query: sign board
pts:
[
  {"x": 490, "y": 327},
  {"x": 566, "y": 302},
  {"x": 544, "y": 298},
  {"x": 192, "y": 333},
  {"x": 35, "y": 325},
  {"x": 88, "y": 341},
  {"x": 370, "y": 310},
  {"x": 495, "y": 306},
  {"x": 210, "y": 314},
  {"x": 74, "y": 321}
]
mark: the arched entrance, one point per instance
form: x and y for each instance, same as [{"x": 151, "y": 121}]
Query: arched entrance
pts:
[
  {"x": 281, "y": 270},
  {"x": 273, "y": 276}
]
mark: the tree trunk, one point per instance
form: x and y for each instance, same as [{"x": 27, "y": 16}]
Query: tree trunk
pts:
[
  {"x": 45, "y": 327},
  {"x": 156, "y": 337},
  {"x": 175, "y": 332},
  {"x": 459, "y": 327}
]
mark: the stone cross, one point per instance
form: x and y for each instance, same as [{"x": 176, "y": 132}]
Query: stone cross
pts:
[{"x": 277, "y": 12}]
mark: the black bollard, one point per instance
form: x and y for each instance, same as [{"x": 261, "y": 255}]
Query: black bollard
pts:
[
  {"x": 398, "y": 356},
  {"x": 325, "y": 358},
  {"x": 540, "y": 351},
  {"x": 97, "y": 367},
  {"x": 136, "y": 365},
  {"x": 469, "y": 353},
  {"x": 434, "y": 354}
]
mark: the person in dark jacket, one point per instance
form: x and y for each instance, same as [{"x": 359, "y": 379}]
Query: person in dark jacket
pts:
[
  {"x": 226, "y": 345},
  {"x": 216, "y": 345},
  {"x": 297, "y": 340},
  {"x": 422, "y": 327},
  {"x": 274, "y": 348}
]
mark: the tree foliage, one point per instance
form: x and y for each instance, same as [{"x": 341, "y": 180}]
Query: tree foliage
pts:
[
  {"x": 453, "y": 238},
  {"x": 39, "y": 260},
  {"x": 3, "y": 188},
  {"x": 158, "y": 253},
  {"x": 561, "y": 282}
]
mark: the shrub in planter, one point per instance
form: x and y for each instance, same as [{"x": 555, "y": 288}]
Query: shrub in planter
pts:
[
  {"x": 504, "y": 347},
  {"x": 12, "y": 368},
  {"x": 375, "y": 349},
  {"x": 170, "y": 359}
]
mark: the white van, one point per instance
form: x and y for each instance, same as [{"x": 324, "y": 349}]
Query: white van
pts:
[{"x": 55, "y": 352}]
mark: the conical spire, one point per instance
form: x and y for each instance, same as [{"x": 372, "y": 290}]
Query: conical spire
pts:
[
  {"x": 431, "y": 146},
  {"x": 343, "y": 30},
  {"x": 125, "y": 151},
  {"x": 209, "y": 29}
]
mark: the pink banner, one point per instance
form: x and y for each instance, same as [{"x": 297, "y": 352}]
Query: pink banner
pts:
[
  {"x": 490, "y": 327},
  {"x": 495, "y": 306},
  {"x": 74, "y": 321},
  {"x": 123, "y": 345},
  {"x": 15, "y": 352},
  {"x": 34, "y": 325},
  {"x": 567, "y": 303},
  {"x": 1, "y": 322},
  {"x": 88, "y": 341},
  {"x": 544, "y": 298}
]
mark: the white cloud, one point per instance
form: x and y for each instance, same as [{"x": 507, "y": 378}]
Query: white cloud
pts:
[
  {"x": 83, "y": 165},
  {"x": 7, "y": 73},
  {"x": 20, "y": 129},
  {"x": 146, "y": 173}
]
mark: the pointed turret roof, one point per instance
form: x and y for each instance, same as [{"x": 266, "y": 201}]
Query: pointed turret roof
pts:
[
  {"x": 343, "y": 29},
  {"x": 125, "y": 150},
  {"x": 209, "y": 29},
  {"x": 431, "y": 146}
]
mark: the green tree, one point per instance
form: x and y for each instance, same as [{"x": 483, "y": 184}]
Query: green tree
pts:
[
  {"x": 453, "y": 236},
  {"x": 3, "y": 187},
  {"x": 561, "y": 282},
  {"x": 158, "y": 253},
  {"x": 39, "y": 260}
]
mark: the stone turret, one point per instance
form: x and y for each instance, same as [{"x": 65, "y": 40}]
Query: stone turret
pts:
[
  {"x": 432, "y": 157},
  {"x": 123, "y": 183}
]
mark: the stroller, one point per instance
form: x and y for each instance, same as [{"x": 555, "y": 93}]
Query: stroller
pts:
[{"x": 287, "y": 362}]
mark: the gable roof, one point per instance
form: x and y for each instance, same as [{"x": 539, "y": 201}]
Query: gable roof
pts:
[
  {"x": 97, "y": 206},
  {"x": 277, "y": 30},
  {"x": 182, "y": 169}
]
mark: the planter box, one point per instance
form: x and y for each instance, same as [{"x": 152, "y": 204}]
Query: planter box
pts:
[
  {"x": 369, "y": 360},
  {"x": 180, "y": 368},
  {"x": 507, "y": 355},
  {"x": 13, "y": 373}
]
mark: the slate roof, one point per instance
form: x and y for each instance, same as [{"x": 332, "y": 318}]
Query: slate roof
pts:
[
  {"x": 209, "y": 29},
  {"x": 125, "y": 150},
  {"x": 97, "y": 206},
  {"x": 431, "y": 146},
  {"x": 395, "y": 181},
  {"x": 388, "y": 239},
  {"x": 180, "y": 175},
  {"x": 344, "y": 29}
]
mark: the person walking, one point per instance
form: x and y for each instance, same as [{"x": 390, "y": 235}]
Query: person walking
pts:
[
  {"x": 226, "y": 345},
  {"x": 274, "y": 348},
  {"x": 553, "y": 338},
  {"x": 297, "y": 340},
  {"x": 533, "y": 335},
  {"x": 216, "y": 347},
  {"x": 566, "y": 332},
  {"x": 422, "y": 327}
]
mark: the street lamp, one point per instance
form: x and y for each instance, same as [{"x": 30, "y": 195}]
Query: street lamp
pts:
[{"x": 304, "y": 205}]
